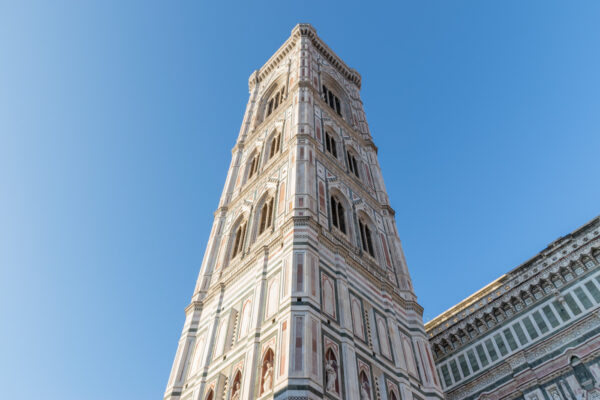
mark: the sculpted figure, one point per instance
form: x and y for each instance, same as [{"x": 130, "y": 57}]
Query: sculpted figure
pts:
[
  {"x": 364, "y": 391},
  {"x": 236, "y": 392},
  {"x": 331, "y": 372},
  {"x": 267, "y": 378}
]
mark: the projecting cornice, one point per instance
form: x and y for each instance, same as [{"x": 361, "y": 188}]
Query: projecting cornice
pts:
[
  {"x": 533, "y": 276},
  {"x": 304, "y": 30}
]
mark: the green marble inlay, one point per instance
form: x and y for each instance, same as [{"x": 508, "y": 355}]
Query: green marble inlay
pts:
[
  {"x": 551, "y": 317},
  {"x": 491, "y": 350},
  {"x": 572, "y": 305},
  {"x": 512, "y": 343},
  {"x": 587, "y": 303},
  {"x": 500, "y": 344},
  {"x": 520, "y": 334},
  {"x": 564, "y": 315},
  {"x": 482, "y": 356},
  {"x": 473, "y": 360},
  {"x": 593, "y": 290},
  {"x": 530, "y": 329},
  {"x": 540, "y": 322}
]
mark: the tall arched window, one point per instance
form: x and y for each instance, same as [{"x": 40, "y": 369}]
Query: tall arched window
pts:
[
  {"x": 266, "y": 216},
  {"x": 274, "y": 101},
  {"x": 210, "y": 395},
  {"x": 393, "y": 396},
  {"x": 366, "y": 238},
  {"x": 337, "y": 214},
  {"x": 253, "y": 166},
  {"x": 331, "y": 99},
  {"x": 330, "y": 144},
  {"x": 238, "y": 242},
  {"x": 352, "y": 163},
  {"x": 275, "y": 145}
]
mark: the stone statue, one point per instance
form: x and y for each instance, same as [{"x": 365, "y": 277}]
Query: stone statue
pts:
[
  {"x": 236, "y": 392},
  {"x": 364, "y": 391},
  {"x": 331, "y": 373},
  {"x": 555, "y": 395},
  {"x": 267, "y": 378}
]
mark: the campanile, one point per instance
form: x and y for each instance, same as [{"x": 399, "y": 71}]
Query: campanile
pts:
[{"x": 304, "y": 292}]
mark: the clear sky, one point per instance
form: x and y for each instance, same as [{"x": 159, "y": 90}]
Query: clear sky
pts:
[{"x": 117, "y": 121}]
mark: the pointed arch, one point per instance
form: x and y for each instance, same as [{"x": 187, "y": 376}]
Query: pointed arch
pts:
[
  {"x": 252, "y": 164},
  {"x": 332, "y": 141},
  {"x": 264, "y": 214},
  {"x": 238, "y": 236},
  {"x": 272, "y": 98},
  {"x": 245, "y": 319},
  {"x": 367, "y": 231},
  {"x": 274, "y": 144},
  {"x": 198, "y": 354},
  {"x": 339, "y": 207},
  {"x": 272, "y": 297},
  {"x": 354, "y": 161},
  {"x": 334, "y": 95},
  {"x": 210, "y": 395},
  {"x": 357, "y": 318}
]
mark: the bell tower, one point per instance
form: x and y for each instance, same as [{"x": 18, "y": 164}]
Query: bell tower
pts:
[{"x": 304, "y": 292}]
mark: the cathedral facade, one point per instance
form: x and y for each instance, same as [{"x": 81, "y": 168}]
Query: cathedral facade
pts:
[
  {"x": 532, "y": 334},
  {"x": 304, "y": 292}
]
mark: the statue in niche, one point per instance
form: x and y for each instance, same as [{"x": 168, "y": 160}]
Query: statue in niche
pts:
[
  {"x": 364, "y": 391},
  {"x": 236, "y": 391},
  {"x": 555, "y": 395},
  {"x": 331, "y": 372},
  {"x": 267, "y": 377},
  {"x": 266, "y": 373}
]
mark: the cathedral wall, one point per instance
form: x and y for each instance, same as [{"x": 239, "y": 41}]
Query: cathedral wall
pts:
[{"x": 529, "y": 334}]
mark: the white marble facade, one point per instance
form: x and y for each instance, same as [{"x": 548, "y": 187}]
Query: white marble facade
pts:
[{"x": 304, "y": 291}]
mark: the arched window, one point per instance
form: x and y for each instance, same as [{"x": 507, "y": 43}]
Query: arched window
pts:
[
  {"x": 337, "y": 214},
  {"x": 266, "y": 376},
  {"x": 330, "y": 144},
  {"x": 210, "y": 395},
  {"x": 238, "y": 242},
  {"x": 253, "y": 166},
  {"x": 266, "y": 216},
  {"x": 366, "y": 238},
  {"x": 393, "y": 396},
  {"x": 274, "y": 101},
  {"x": 334, "y": 102},
  {"x": 332, "y": 384},
  {"x": 275, "y": 145},
  {"x": 352, "y": 163},
  {"x": 236, "y": 387}
]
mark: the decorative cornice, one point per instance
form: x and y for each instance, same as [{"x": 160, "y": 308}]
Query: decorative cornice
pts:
[
  {"x": 304, "y": 30},
  {"x": 527, "y": 278}
]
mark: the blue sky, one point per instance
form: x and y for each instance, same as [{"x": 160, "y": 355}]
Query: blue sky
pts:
[{"x": 117, "y": 120}]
